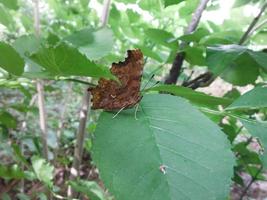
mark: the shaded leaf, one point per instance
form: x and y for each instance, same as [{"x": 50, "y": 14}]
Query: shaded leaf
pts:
[
  {"x": 171, "y": 2},
  {"x": 8, "y": 120},
  {"x": 94, "y": 44},
  {"x": 10, "y": 60},
  {"x": 236, "y": 64}
]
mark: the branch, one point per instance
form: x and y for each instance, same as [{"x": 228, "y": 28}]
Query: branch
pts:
[
  {"x": 253, "y": 23},
  {"x": 105, "y": 13},
  {"x": 178, "y": 61},
  {"x": 40, "y": 88}
]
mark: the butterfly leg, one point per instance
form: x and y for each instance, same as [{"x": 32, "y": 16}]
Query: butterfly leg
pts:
[
  {"x": 118, "y": 112},
  {"x": 136, "y": 110}
]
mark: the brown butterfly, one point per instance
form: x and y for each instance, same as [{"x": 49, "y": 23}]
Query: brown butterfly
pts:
[{"x": 111, "y": 95}]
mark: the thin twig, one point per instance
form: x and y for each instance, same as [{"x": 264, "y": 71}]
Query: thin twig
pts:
[
  {"x": 178, "y": 61},
  {"x": 40, "y": 88},
  {"x": 254, "y": 178},
  {"x": 252, "y": 25},
  {"x": 264, "y": 22}
]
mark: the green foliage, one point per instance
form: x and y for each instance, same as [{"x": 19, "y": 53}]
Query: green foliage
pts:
[
  {"x": 11, "y": 172},
  {"x": 5, "y": 17},
  {"x": 43, "y": 170},
  {"x": 10, "y": 60},
  {"x": 12, "y": 4},
  {"x": 171, "y": 149},
  {"x": 91, "y": 189},
  {"x": 7, "y": 120},
  {"x": 168, "y": 148},
  {"x": 258, "y": 129},
  {"x": 236, "y": 64}
]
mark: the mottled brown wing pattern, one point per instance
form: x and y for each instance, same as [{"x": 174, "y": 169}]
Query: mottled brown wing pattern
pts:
[{"x": 111, "y": 95}]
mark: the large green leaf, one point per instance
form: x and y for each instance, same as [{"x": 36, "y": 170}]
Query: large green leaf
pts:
[
  {"x": 68, "y": 61},
  {"x": 10, "y": 60},
  {"x": 162, "y": 37},
  {"x": 172, "y": 151},
  {"x": 12, "y": 4},
  {"x": 258, "y": 129},
  {"x": 94, "y": 44},
  {"x": 255, "y": 98},
  {"x": 195, "y": 97},
  {"x": 236, "y": 64}
]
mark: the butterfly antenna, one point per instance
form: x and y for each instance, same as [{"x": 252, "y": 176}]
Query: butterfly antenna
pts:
[
  {"x": 147, "y": 82},
  {"x": 118, "y": 112}
]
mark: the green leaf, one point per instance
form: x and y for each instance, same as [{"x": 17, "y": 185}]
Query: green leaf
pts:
[
  {"x": 170, "y": 149},
  {"x": 162, "y": 37},
  {"x": 64, "y": 60},
  {"x": 11, "y": 4},
  {"x": 43, "y": 170},
  {"x": 195, "y": 55},
  {"x": 150, "y": 53},
  {"x": 22, "y": 196},
  {"x": 94, "y": 44},
  {"x": 11, "y": 172},
  {"x": 255, "y": 98},
  {"x": 258, "y": 129},
  {"x": 221, "y": 57},
  {"x": 244, "y": 70},
  {"x": 90, "y": 188},
  {"x": 195, "y": 97},
  {"x": 10, "y": 60},
  {"x": 8, "y": 120},
  {"x": 26, "y": 44},
  {"x": 171, "y": 2},
  {"x": 236, "y": 64}
]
